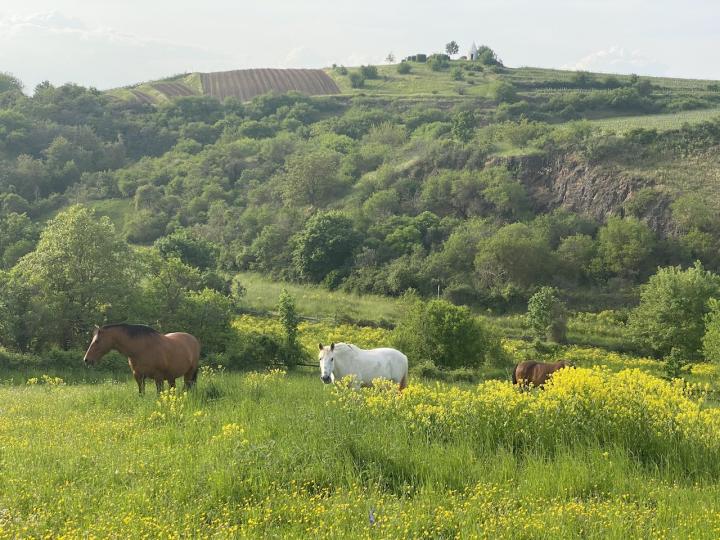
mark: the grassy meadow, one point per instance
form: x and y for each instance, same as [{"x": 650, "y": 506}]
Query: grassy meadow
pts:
[
  {"x": 315, "y": 301},
  {"x": 273, "y": 455}
]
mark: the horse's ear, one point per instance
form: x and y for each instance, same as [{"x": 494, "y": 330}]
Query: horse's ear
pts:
[
  {"x": 320, "y": 346},
  {"x": 332, "y": 346}
]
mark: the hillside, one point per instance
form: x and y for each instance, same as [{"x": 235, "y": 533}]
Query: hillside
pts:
[
  {"x": 243, "y": 84},
  {"x": 477, "y": 182}
]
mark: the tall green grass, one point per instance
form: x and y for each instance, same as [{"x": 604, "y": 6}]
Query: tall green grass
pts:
[
  {"x": 273, "y": 457},
  {"x": 316, "y": 302}
]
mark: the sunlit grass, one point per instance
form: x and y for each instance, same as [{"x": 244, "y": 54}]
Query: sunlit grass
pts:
[{"x": 283, "y": 456}]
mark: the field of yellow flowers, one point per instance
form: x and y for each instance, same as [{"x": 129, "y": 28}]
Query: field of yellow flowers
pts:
[{"x": 600, "y": 453}]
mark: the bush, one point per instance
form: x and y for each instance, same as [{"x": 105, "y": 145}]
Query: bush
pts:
[
  {"x": 369, "y": 72},
  {"x": 403, "y": 68},
  {"x": 672, "y": 311},
  {"x": 443, "y": 334},
  {"x": 547, "y": 315},
  {"x": 189, "y": 248},
  {"x": 438, "y": 62},
  {"x": 356, "y": 79},
  {"x": 711, "y": 339},
  {"x": 457, "y": 74}
]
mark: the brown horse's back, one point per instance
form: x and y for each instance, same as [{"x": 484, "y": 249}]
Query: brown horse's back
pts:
[
  {"x": 188, "y": 350},
  {"x": 167, "y": 356},
  {"x": 535, "y": 373}
]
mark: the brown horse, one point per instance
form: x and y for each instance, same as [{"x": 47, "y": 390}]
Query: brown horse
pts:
[
  {"x": 535, "y": 373},
  {"x": 150, "y": 354}
]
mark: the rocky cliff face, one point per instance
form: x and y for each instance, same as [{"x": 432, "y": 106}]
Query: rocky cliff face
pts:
[{"x": 567, "y": 181}]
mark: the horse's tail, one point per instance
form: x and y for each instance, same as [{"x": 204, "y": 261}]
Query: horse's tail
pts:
[
  {"x": 403, "y": 382},
  {"x": 514, "y": 374}
]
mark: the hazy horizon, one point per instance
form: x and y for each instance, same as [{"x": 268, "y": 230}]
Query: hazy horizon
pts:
[{"x": 113, "y": 45}]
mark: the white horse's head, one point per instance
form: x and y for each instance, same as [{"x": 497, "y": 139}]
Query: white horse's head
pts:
[{"x": 327, "y": 362}]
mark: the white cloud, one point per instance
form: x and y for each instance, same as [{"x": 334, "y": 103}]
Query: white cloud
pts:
[
  {"x": 618, "y": 60},
  {"x": 51, "y": 46}
]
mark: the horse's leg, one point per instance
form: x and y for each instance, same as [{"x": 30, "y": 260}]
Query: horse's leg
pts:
[
  {"x": 191, "y": 378},
  {"x": 159, "y": 385},
  {"x": 140, "y": 380},
  {"x": 171, "y": 382}
]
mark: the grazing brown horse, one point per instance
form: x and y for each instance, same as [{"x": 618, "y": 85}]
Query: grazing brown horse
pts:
[
  {"x": 535, "y": 373},
  {"x": 161, "y": 357}
]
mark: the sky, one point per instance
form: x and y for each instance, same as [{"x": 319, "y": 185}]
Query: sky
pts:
[{"x": 110, "y": 43}]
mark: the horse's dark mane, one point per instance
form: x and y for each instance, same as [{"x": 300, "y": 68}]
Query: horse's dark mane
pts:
[{"x": 133, "y": 330}]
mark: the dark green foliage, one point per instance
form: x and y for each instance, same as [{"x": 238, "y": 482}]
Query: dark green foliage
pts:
[
  {"x": 369, "y": 72},
  {"x": 487, "y": 56},
  {"x": 547, "y": 315},
  {"x": 325, "y": 245},
  {"x": 463, "y": 126},
  {"x": 624, "y": 246},
  {"x": 452, "y": 48},
  {"x": 189, "y": 248},
  {"x": 356, "y": 79},
  {"x": 438, "y": 62},
  {"x": 711, "y": 338},
  {"x": 404, "y": 68},
  {"x": 672, "y": 311},
  {"x": 289, "y": 318},
  {"x": 443, "y": 334}
]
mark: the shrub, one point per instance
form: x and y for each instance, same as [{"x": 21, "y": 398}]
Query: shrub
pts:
[
  {"x": 369, "y": 72},
  {"x": 189, "y": 248},
  {"x": 672, "y": 311},
  {"x": 356, "y": 79},
  {"x": 290, "y": 320},
  {"x": 711, "y": 339},
  {"x": 444, "y": 334},
  {"x": 438, "y": 62},
  {"x": 547, "y": 315},
  {"x": 457, "y": 74},
  {"x": 403, "y": 68}
]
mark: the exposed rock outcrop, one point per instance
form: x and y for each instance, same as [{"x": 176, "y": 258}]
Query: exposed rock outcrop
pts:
[{"x": 568, "y": 181}]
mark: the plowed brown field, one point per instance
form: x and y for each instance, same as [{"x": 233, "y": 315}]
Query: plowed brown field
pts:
[{"x": 245, "y": 84}]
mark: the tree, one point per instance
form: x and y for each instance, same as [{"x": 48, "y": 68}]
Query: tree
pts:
[
  {"x": 325, "y": 245},
  {"x": 463, "y": 126},
  {"x": 487, "y": 56},
  {"x": 711, "y": 338},
  {"x": 444, "y": 334},
  {"x": 290, "y": 319},
  {"x": 547, "y": 315},
  {"x": 189, "y": 248},
  {"x": 513, "y": 261},
  {"x": 356, "y": 79},
  {"x": 84, "y": 271},
  {"x": 390, "y": 58},
  {"x": 452, "y": 48},
  {"x": 672, "y": 310},
  {"x": 313, "y": 177},
  {"x": 624, "y": 246}
]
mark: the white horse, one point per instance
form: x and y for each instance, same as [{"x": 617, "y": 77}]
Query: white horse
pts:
[{"x": 339, "y": 360}]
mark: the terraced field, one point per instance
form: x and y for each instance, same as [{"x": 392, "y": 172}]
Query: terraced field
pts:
[
  {"x": 661, "y": 122},
  {"x": 245, "y": 84}
]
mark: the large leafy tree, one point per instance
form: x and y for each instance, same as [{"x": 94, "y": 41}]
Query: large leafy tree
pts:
[
  {"x": 82, "y": 270},
  {"x": 313, "y": 178},
  {"x": 624, "y": 246},
  {"x": 672, "y": 310},
  {"x": 326, "y": 244}
]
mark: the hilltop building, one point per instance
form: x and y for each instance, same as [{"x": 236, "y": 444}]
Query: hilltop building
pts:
[{"x": 473, "y": 54}]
